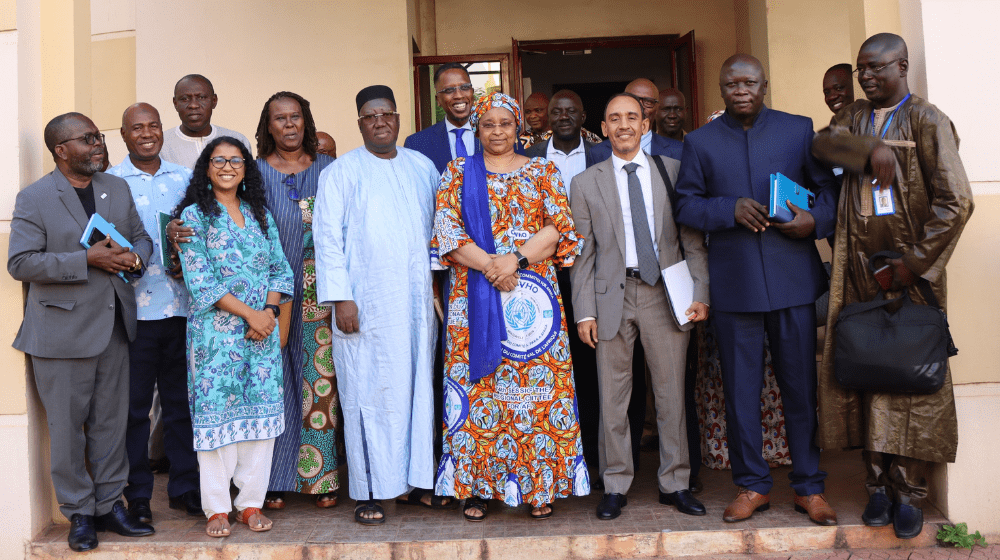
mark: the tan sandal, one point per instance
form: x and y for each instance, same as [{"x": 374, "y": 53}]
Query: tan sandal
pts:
[
  {"x": 225, "y": 525},
  {"x": 245, "y": 515}
]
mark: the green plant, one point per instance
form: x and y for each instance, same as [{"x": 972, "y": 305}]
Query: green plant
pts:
[{"x": 959, "y": 536}]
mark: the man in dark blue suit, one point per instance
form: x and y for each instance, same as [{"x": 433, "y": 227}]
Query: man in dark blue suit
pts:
[
  {"x": 765, "y": 276},
  {"x": 652, "y": 143},
  {"x": 452, "y": 137}
]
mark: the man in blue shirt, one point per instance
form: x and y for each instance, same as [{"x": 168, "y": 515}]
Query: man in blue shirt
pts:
[
  {"x": 157, "y": 356},
  {"x": 766, "y": 277}
]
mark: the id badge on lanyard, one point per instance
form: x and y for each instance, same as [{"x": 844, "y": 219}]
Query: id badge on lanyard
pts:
[{"x": 882, "y": 194}]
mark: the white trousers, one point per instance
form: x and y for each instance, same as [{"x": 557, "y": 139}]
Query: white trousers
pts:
[{"x": 247, "y": 464}]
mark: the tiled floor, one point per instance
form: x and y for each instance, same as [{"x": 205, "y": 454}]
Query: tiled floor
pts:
[{"x": 303, "y": 523}]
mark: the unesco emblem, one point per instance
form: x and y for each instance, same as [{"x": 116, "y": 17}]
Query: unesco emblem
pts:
[{"x": 531, "y": 313}]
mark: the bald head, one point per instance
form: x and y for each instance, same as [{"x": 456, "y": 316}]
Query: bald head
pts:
[
  {"x": 198, "y": 78},
  {"x": 647, "y": 93},
  {"x": 325, "y": 144},
  {"x": 743, "y": 61},
  {"x": 132, "y": 110},
  {"x": 536, "y": 109},
  {"x": 882, "y": 65},
  {"x": 143, "y": 136},
  {"x": 58, "y": 129},
  {"x": 888, "y": 44},
  {"x": 743, "y": 87}
]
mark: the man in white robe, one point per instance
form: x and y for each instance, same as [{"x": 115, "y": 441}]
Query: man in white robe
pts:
[{"x": 372, "y": 229}]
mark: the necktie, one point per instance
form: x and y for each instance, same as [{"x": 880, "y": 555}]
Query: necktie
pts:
[
  {"x": 649, "y": 268},
  {"x": 460, "y": 150}
]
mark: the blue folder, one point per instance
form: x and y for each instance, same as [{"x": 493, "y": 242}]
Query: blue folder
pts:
[
  {"x": 783, "y": 191},
  {"x": 103, "y": 228}
]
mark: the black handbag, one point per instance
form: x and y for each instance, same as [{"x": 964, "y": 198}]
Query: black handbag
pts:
[{"x": 901, "y": 351}]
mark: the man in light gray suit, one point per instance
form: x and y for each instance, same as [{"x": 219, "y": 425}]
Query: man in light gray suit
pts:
[
  {"x": 622, "y": 208},
  {"x": 78, "y": 320}
]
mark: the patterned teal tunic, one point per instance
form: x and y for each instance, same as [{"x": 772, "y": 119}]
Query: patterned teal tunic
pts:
[{"x": 234, "y": 384}]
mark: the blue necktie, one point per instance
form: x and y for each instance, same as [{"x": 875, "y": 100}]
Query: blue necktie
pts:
[{"x": 460, "y": 150}]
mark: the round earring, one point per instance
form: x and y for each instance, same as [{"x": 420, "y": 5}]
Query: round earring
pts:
[{"x": 210, "y": 186}]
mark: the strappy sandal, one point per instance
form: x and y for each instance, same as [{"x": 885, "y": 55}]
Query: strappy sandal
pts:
[
  {"x": 274, "y": 500},
  {"x": 225, "y": 525},
  {"x": 477, "y": 504},
  {"x": 531, "y": 512},
  {"x": 326, "y": 500},
  {"x": 416, "y": 498},
  {"x": 364, "y": 506},
  {"x": 246, "y": 514}
]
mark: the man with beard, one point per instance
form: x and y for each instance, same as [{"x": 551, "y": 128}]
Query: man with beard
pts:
[
  {"x": 372, "y": 229},
  {"x": 78, "y": 320},
  {"x": 898, "y": 146},
  {"x": 765, "y": 277}
]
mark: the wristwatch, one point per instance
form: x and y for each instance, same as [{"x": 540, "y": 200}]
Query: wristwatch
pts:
[
  {"x": 274, "y": 309},
  {"x": 137, "y": 265},
  {"x": 522, "y": 261}
]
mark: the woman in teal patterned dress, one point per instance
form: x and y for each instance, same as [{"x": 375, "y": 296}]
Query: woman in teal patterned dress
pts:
[{"x": 236, "y": 272}]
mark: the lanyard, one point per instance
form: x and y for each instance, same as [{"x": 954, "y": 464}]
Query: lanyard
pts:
[{"x": 885, "y": 127}]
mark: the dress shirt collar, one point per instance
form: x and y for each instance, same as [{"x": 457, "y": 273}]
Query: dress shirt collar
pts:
[
  {"x": 579, "y": 149},
  {"x": 449, "y": 127},
  {"x": 618, "y": 163},
  {"x": 206, "y": 138},
  {"x": 128, "y": 169}
]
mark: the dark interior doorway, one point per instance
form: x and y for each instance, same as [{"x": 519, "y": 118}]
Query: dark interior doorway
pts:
[{"x": 594, "y": 96}]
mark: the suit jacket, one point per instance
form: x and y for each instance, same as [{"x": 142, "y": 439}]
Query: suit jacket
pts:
[
  {"x": 542, "y": 150},
  {"x": 598, "y": 275},
  {"x": 70, "y": 308},
  {"x": 755, "y": 272},
  {"x": 659, "y": 145},
  {"x": 433, "y": 142}
]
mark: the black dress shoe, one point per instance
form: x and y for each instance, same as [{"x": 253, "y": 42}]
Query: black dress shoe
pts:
[
  {"x": 694, "y": 485},
  {"x": 878, "y": 512},
  {"x": 82, "y": 536},
  {"x": 611, "y": 506},
  {"x": 684, "y": 502},
  {"x": 139, "y": 508},
  {"x": 122, "y": 522},
  {"x": 189, "y": 501},
  {"x": 907, "y": 521}
]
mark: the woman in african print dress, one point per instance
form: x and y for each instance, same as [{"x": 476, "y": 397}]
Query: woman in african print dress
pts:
[{"x": 511, "y": 423}]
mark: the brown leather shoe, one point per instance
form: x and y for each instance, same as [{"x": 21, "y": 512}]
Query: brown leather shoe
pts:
[
  {"x": 817, "y": 507},
  {"x": 745, "y": 504}
]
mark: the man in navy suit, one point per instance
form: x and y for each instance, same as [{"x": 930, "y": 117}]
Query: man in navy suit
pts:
[
  {"x": 452, "y": 137},
  {"x": 652, "y": 143},
  {"x": 766, "y": 277}
]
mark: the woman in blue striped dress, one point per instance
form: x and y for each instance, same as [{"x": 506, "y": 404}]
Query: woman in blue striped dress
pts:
[{"x": 305, "y": 459}]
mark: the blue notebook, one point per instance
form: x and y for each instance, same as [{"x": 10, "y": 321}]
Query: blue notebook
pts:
[
  {"x": 783, "y": 191},
  {"x": 97, "y": 229}
]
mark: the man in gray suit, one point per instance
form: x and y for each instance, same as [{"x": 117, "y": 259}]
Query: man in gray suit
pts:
[
  {"x": 78, "y": 320},
  {"x": 622, "y": 207}
]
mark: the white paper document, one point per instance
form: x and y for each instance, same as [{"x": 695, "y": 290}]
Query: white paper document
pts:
[{"x": 680, "y": 289}]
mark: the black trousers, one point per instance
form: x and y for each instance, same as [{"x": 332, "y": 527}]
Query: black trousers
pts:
[{"x": 158, "y": 359}]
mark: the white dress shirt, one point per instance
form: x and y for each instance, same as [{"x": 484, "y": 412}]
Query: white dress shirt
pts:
[
  {"x": 570, "y": 165},
  {"x": 646, "y": 143},
  {"x": 645, "y": 182},
  {"x": 468, "y": 138}
]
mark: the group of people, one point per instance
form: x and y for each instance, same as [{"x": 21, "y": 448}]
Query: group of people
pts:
[{"x": 476, "y": 310}]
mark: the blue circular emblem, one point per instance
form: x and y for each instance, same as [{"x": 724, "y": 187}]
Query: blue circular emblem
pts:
[{"x": 531, "y": 312}]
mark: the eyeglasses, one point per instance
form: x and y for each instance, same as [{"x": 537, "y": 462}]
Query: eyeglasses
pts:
[
  {"x": 219, "y": 162},
  {"x": 293, "y": 193},
  {"x": 465, "y": 88},
  {"x": 859, "y": 72},
  {"x": 647, "y": 101},
  {"x": 90, "y": 138},
  {"x": 371, "y": 120},
  {"x": 490, "y": 126}
]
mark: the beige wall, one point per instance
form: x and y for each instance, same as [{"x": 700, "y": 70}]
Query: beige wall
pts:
[
  {"x": 486, "y": 26},
  {"x": 325, "y": 51},
  {"x": 8, "y": 15}
]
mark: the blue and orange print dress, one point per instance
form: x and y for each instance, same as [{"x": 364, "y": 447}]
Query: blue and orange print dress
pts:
[{"x": 515, "y": 435}]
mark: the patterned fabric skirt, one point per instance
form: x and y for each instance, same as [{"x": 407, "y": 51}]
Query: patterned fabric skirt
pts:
[{"x": 711, "y": 405}]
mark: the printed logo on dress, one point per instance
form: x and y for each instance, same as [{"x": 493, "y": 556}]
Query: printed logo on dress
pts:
[{"x": 531, "y": 312}]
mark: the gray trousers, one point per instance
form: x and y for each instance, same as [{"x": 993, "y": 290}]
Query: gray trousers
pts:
[
  {"x": 647, "y": 315},
  {"x": 86, "y": 404}
]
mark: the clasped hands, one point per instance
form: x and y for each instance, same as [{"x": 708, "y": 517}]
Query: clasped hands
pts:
[
  {"x": 502, "y": 272},
  {"x": 753, "y": 216},
  {"x": 109, "y": 256},
  {"x": 260, "y": 324}
]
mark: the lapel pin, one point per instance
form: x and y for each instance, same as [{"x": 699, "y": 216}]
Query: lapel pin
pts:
[{"x": 104, "y": 195}]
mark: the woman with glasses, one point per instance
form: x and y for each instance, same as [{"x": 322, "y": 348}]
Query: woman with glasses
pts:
[
  {"x": 236, "y": 273},
  {"x": 305, "y": 456},
  {"x": 502, "y": 226}
]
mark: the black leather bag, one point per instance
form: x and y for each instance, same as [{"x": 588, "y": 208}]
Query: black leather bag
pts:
[{"x": 901, "y": 351}]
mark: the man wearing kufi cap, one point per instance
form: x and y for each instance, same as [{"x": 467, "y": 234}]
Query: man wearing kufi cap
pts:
[{"x": 372, "y": 229}]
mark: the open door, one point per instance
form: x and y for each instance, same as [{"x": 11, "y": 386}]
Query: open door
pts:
[
  {"x": 517, "y": 85},
  {"x": 488, "y": 72},
  {"x": 682, "y": 60}
]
